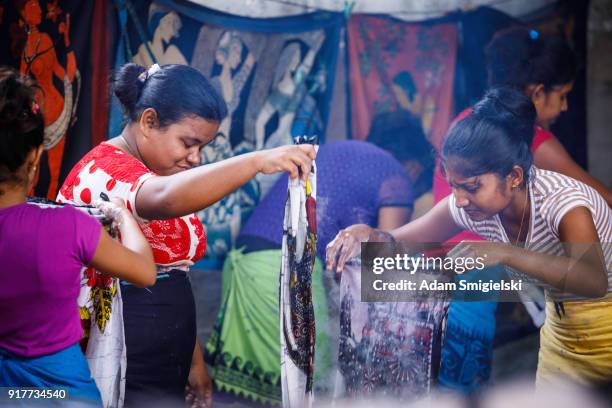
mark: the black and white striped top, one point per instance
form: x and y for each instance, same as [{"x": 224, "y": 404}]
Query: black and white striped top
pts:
[{"x": 552, "y": 195}]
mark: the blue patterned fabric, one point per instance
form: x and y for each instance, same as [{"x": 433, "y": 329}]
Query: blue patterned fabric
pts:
[{"x": 467, "y": 351}]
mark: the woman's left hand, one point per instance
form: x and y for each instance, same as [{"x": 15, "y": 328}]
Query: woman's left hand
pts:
[{"x": 198, "y": 392}]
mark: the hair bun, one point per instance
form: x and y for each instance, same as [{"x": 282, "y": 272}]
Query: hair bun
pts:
[
  {"x": 506, "y": 107},
  {"x": 16, "y": 98},
  {"x": 127, "y": 86},
  {"x": 21, "y": 125}
]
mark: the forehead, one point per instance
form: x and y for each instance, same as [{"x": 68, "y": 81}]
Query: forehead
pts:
[
  {"x": 195, "y": 127},
  {"x": 451, "y": 170},
  {"x": 454, "y": 177}
]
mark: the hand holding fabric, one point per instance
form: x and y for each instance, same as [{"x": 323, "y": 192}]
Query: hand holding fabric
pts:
[
  {"x": 295, "y": 160},
  {"x": 346, "y": 245}
]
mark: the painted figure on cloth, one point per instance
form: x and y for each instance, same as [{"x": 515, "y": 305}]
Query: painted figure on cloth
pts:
[
  {"x": 168, "y": 28},
  {"x": 235, "y": 70},
  {"x": 409, "y": 99},
  {"x": 289, "y": 90},
  {"x": 40, "y": 60},
  {"x": 233, "y": 66}
]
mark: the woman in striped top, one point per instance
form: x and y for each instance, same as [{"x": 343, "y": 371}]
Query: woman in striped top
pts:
[{"x": 561, "y": 230}]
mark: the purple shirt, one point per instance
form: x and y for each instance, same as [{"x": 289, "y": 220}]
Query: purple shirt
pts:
[
  {"x": 42, "y": 252},
  {"x": 355, "y": 179}
]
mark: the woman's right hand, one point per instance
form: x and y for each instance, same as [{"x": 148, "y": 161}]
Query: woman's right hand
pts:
[
  {"x": 346, "y": 245},
  {"x": 132, "y": 259},
  {"x": 293, "y": 159},
  {"x": 115, "y": 210}
]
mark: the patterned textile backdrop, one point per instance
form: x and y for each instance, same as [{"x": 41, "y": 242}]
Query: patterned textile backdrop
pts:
[
  {"x": 396, "y": 65},
  {"x": 50, "y": 41},
  {"x": 276, "y": 76}
]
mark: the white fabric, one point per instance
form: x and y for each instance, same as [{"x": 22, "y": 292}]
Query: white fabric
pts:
[
  {"x": 293, "y": 380},
  {"x": 106, "y": 352},
  {"x": 409, "y": 10}
]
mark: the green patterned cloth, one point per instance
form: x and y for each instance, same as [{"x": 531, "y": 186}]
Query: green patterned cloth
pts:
[{"x": 244, "y": 348}]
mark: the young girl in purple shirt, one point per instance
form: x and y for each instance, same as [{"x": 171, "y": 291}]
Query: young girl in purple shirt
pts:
[{"x": 42, "y": 252}]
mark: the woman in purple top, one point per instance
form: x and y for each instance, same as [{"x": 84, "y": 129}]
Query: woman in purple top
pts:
[
  {"x": 355, "y": 181},
  {"x": 42, "y": 252}
]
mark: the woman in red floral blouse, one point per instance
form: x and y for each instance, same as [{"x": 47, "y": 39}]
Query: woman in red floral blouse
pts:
[{"x": 153, "y": 165}]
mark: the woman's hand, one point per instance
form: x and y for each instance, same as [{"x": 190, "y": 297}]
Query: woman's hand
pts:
[
  {"x": 294, "y": 159},
  {"x": 114, "y": 210},
  {"x": 346, "y": 245},
  {"x": 198, "y": 391}
]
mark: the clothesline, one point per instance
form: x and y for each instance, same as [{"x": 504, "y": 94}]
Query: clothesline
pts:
[{"x": 404, "y": 12}]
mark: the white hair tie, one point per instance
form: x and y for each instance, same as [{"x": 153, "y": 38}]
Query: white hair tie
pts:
[{"x": 145, "y": 75}]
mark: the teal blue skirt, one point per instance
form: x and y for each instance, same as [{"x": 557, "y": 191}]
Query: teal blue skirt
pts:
[{"x": 66, "y": 369}]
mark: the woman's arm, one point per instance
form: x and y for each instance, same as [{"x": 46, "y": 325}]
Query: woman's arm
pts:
[
  {"x": 132, "y": 261},
  {"x": 393, "y": 217},
  {"x": 184, "y": 193},
  {"x": 436, "y": 225},
  {"x": 113, "y": 259},
  {"x": 582, "y": 271},
  {"x": 551, "y": 155}
]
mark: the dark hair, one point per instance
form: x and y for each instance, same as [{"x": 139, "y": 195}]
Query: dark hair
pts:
[
  {"x": 495, "y": 137},
  {"x": 519, "y": 57},
  {"x": 404, "y": 80},
  {"x": 401, "y": 134},
  {"x": 174, "y": 91},
  {"x": 22, "y": 126}
]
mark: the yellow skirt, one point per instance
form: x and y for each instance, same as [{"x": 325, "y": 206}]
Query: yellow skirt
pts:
[{"x": 578, "y": 345}]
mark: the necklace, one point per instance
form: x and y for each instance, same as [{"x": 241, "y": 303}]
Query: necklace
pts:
[{"x": 518, "y": 237}]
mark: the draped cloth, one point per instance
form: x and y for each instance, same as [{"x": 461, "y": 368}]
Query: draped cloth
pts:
[
  {"x": 297, "y": 325},
  {"x": 387, "y": 349},
  {"x": 394, "y": 65}
]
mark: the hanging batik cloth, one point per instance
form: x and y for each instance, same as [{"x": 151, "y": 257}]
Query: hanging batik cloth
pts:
[
  {"x": 394, "y": 65},
  {"x": 387, "y": 350},
  {"x": 50, "y": 41},
  {"x": 297, "y": 325}
]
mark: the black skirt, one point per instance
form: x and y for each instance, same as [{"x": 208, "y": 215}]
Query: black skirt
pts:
[{"x": 160, "y": 335}]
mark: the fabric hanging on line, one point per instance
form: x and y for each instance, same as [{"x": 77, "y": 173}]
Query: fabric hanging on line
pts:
[
  {"x": 275, "y": 75},
  {"x": 395, "y": 65},
  {"x": 51, "y": 42},
  {"x": 404, "y": 10}
]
